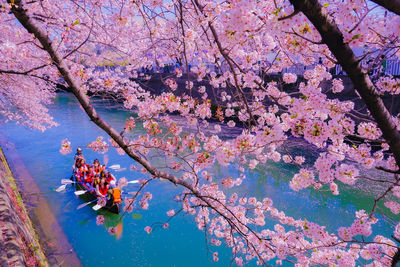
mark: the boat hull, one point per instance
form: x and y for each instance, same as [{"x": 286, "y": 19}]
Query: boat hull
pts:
[{"x": 91, "y": 195}]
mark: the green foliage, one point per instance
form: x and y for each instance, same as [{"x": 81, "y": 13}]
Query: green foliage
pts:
[{"x": 137, "y": 216}]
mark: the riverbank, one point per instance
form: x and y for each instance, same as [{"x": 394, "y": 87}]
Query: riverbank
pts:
[
  {"x": 19, "y": 244},
  {"x": 51, "y": 240}
]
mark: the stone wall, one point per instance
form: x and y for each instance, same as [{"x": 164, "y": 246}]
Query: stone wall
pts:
[{"x": 19, "y": 244}]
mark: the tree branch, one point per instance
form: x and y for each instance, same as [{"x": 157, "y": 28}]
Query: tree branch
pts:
[
  {"x": 333, "y": 38},
  {"x": 30, "y": 25},
  {"x": 289, "y": 16},
  {"x": 391, "y": 5}
]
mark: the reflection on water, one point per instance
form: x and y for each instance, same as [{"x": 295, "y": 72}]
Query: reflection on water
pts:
[{"x": 179, "y": 245}]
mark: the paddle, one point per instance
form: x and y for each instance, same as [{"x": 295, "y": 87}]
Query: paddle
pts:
[
  {"x": 67, "y": 181},
  {"x": 105, "y": 159},
  {"x": 80, "y": 192},
  {"x": 61, "y": 188},
  {"x": 133, "y": 193},
  {"x": 115, "y": 166},
  {"x": 96, "y": 207},
  {"x": 133, "y": 182},
  {"x": 87, "y": 203},
  {"x": 64, "y": 183}
]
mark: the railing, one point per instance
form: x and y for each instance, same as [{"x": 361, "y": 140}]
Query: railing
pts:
[
  {"x": 392, "y": 67},
  {"x": 388, "y": 67}
]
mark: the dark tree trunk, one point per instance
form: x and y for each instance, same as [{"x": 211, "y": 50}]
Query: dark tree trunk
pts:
[
  {"x": 333, "y": 38},
  {"x": 391, "y": 5}
]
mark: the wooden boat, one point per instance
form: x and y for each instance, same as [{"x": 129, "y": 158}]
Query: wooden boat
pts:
[{"x": 91, "y": 195}]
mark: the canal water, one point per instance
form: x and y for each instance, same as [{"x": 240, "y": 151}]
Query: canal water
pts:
[{"x": 181, "y": 244}]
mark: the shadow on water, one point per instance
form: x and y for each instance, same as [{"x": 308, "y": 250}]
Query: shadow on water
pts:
[{"x": 56, "y": 246}]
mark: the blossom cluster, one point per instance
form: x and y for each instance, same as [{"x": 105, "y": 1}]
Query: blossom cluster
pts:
[
  {"x": 99, "y": 145},
  {"x": 65, "y": 147},
  {"x": 233, "y": 37}
]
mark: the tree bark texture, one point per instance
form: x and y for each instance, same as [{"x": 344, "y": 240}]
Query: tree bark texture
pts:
[
  {"x": 333, "y": 38},
  {"x": 391, "y": 5}
]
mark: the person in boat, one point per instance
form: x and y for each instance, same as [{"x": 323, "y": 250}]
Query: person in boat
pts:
[
  {"x": 77, "y": 168},
  {"x": 82, "y": 168},
  {"x": 103, "y": 168},
  {"x": 96, "y": 180},
  {"x": 109, "y": 177},
  {"x": 89, "y": 176},
  {"x": 78, "y": 153},
  {"x": 102, "y": 188},
  {"x": 115, "y": 195},
  {"x": 77, "y": 162},
  {"x": 77, "y": 174},
  {"x": 96, "y": 166}
]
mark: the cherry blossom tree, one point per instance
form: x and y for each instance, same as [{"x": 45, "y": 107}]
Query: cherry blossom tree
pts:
[{"x": 226, "y": 53}]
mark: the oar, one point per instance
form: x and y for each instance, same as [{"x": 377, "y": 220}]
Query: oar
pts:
[
  {"x": 80, "y": 192},
  {"x": 85, "y": 204},
  {"x": 97, "y": 207},
  {"x": 61, "y": 188},
  {"x": 115, "y": 166},
  {"x": 132, "y": 193},
  {"x": 67, "y": 181},
  {"x": 105, "y": 159}
]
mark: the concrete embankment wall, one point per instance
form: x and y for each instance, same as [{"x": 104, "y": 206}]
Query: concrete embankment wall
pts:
[{"x": 19, "y": 244}]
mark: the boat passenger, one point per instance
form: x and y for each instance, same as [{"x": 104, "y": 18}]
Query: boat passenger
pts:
[
  {"x": 77, "y": 174},
  {"x": 96, "y": 180},
  {"x": 102, "y": 168},
  {"x": 89, "y": 177},
  {"x": 102, "y": 188},
  {"x": 97, "y": 166},
  {"x": 109, "y": 177},
  {"x": 83, "y": 168},
  {"x": 77, "y": 167},
  {"x": 115, "y": 195},
  {"x": 78, "y": 153},
  {"x": 77, "y": 163},
  {"x": 96, "y": 162},
  {"x": 110, "y": 194}
]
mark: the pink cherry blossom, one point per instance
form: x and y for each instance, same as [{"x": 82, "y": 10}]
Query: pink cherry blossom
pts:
[
  {"x": 231, "y": 123},
  {"x": 301, "y": 180},
  {"x": 215, "y": 256},
  {"x": 99, "y": 145},
  {"x": 393, "y": 206},
  {"x": 65, "y": 147},
  {"x": 171, "y": 213},
  {"x": 346, "y": 174},
  {"x": 100, "y": 219},
  {"x": 369, "y": 130},
  {"x": 228, "y": 57},
  {"x": 148, "y": 229},
  {"x": 289, "y": 78}
]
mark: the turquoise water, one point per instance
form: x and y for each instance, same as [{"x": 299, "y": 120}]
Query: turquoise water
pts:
[{"x": 179, "y": 245}]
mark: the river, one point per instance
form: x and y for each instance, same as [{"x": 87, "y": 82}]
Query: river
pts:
[{"x": 179, "y": 245}]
